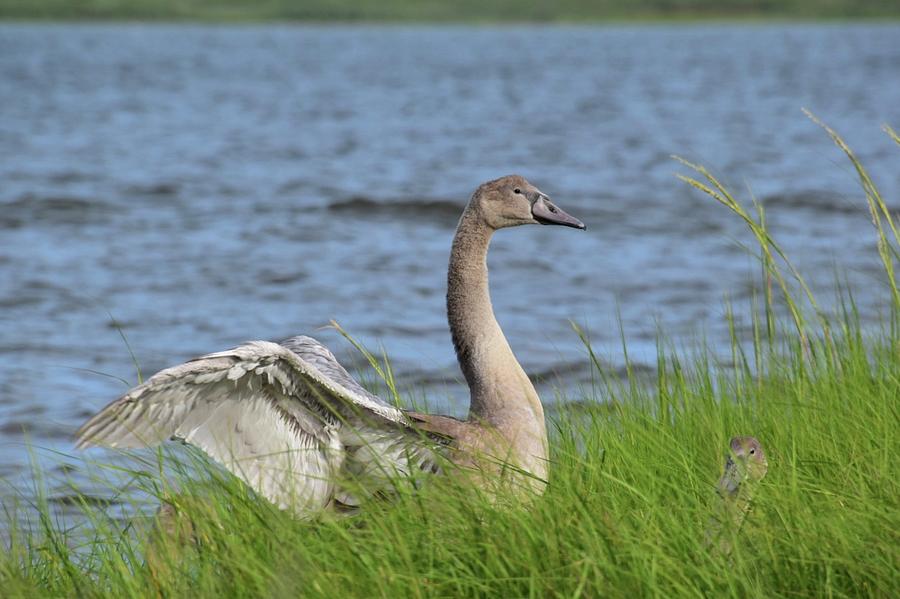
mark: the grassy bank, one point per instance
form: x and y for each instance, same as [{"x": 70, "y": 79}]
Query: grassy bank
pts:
[
  {"x": 630, "y": 495},
  {"x": 440, "y": 11}
]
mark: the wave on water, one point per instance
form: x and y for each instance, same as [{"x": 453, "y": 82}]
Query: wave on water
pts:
[
  {"x": 444, "y": 212},
  {"x": 815, "y": 200},
  {"x": 75, "y": 499},
  {"x": 21, "y": 427},
  {"x": 152, "y": 189},
  {"x": 30, "y": 209}
]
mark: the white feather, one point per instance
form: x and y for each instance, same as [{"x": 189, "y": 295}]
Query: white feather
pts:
[{"x": 287, "y": 419}]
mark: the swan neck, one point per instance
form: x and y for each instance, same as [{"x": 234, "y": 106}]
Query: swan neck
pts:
[{"x": 498, "y": 385}]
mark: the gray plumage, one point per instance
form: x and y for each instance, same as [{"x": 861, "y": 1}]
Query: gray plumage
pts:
[{"x": 287, "y": 418}]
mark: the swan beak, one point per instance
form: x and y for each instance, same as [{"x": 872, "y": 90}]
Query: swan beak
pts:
[{"x": 546, "y": 213}]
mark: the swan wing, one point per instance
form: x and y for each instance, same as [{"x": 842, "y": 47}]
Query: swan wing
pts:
[{"x": 274, "y": 415}]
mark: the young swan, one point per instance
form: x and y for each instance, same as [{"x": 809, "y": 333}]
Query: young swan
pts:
[
  {"x": 505, "y": 432},
  {"x": 745, "y": 466},
  {"x": 290, "y": 421}
]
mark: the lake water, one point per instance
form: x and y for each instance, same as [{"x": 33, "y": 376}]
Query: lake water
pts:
[{"x": 203, "y": 186}]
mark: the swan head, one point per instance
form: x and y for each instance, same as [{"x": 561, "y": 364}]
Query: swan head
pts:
[
  {"x": 511, "y": 201},
  {"x": 746, "y": 462}
]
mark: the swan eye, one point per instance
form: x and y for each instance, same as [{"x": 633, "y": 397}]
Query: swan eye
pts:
[{"x": 517, "y": 190}]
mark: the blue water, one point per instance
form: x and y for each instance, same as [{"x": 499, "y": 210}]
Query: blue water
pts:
[{"x": 201, "y": 186}]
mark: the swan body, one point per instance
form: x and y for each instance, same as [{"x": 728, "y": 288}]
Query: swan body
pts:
[
  {"x": 745, "y": 466},
  {"x": 290, "y": 421}
]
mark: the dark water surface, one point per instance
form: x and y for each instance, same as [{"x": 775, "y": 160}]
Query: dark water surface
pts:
[{"x": 209, "y": 185}]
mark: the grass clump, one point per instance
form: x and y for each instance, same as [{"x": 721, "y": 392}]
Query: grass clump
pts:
[{"x": 630, "y": 496}]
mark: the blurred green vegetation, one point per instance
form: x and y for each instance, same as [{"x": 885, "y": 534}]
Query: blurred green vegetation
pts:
[{"x": 440, "y": 10}]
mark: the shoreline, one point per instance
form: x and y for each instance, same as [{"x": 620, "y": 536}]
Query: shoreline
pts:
[{"x": 585, "y": 23}]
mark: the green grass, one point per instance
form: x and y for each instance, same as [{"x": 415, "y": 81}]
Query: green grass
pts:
[
  {"x": 439, "y": 10},
  {"x": 630, "y": 495}
]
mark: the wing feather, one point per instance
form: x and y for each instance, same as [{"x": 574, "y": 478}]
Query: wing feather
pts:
[{"x": 272, "y": 414}]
